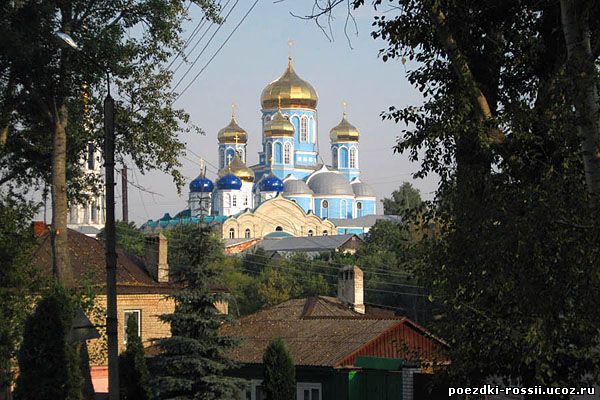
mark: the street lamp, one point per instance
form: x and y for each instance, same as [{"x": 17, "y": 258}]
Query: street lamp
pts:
[{"x": 109, "y": 228}]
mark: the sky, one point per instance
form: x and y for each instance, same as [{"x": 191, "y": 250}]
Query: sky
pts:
[{"x": 255, "y": 55}]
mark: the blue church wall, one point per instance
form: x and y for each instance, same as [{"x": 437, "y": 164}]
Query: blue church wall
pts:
[
  {"x": 341, "y": 152},
  {"x": 304, "y": 202},
  {"x": 348, "y": 231},
  {"x": 338, "y": 207},
  {"x": 368, "y": 207}
]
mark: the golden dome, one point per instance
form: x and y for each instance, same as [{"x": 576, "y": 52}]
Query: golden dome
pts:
[
  {"x": 291, "y": 90},
  {"x": 230, "y": 132},
  {"x": 239, "y": 169},
  {"x": 279, "y": 125},
  {"x": 344, "y": 132}
]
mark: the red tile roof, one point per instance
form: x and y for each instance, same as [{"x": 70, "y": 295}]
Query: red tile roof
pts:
[{"x": 321, "y": 331}]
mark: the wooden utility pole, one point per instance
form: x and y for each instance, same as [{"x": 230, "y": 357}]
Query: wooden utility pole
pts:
[
  {"x": 111, "y": 253},
  {"x": 125, "y": 201}
]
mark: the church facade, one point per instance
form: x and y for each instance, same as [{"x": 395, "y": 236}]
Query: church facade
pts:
[{"x": 289, "y": 167}]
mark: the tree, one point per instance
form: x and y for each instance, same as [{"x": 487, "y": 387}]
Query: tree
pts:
[
  {"x": 129, "y": 238},
  {"x": 279, "y": 372},
  {"x": 403, "y": 200},
  {"x": 50, "y": 107},
  {"x": 193, "y": 360},
  {"x": 498, "y": 127},
  {"x": 134, "y": 377},
  {"x": 48, "y": 363}
]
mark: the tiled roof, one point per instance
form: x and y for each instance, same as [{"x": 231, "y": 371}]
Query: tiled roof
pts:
[
  {"x": 318, "y": 331},
  {"x": 89, "y": 264}
]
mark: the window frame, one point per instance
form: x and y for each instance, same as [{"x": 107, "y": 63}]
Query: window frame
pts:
[
  {"x": 137, "y": 311},
  {"x": 304, "y": 129},
  {"x": 353, "y": 158},
  {"x": 310, "y": 386},
  {"x": 231, "y": 233}
]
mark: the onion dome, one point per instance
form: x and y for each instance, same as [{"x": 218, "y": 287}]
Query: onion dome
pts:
[
  {"x": 362, "y": 189},
  {"x": 292, "y": 91},
  {"x": 229, "y": 182},
  {"x": 330, "y": 183},
  {"x": 279, "y": 125},
  {"x": 295, "y": 186},
  {"x": 270, "y": 183},
  {"x": 344, "y": 132},
  {"x": 201, "y": 185},
  {"x": 239, "y": 169},
  {"x": 232, "y": 133}
]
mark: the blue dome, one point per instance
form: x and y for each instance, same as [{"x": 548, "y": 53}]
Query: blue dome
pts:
[
  {"x": 201, "y": 185},
  {"x": 229, "y": 182},
  {"x": 270, "y": 183}
]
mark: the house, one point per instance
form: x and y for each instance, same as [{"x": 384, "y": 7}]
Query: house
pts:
[
  {"x": 342, "y": 347},
  {"x": 143, "y": 289},
  {"x": 312, "y": 246}
]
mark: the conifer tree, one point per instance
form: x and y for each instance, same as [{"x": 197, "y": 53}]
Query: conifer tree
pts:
[
  {"x": 279, "y": 372},
  {"x": 193, "y": 360},
  {"x": 134, "y": 377},
  {"x": 48, "y": 364}
]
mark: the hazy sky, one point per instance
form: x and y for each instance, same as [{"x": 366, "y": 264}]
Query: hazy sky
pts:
[{"x": 256, "y": 55}]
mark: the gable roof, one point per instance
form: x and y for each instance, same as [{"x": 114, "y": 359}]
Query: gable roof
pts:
[
  {"x": 322, "y": 331},
  {"x": 88, "y": 263},
  {"x": 310, "y": 243}
]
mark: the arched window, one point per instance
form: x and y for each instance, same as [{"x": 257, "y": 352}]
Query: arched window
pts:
[
  {"x": 325, "y": 233},
  {"x": 334, "y": 156},
  {"x": 343, "y": 160},
  {"x": 240, "y": 152},
  {"x": 227, "y": 202},
  {"x": 310, "y": 233},
  {"x": 304, "y": 129},
  {"x": 343, "y": 209},
  {"x": 231, "y": 233},
  {"x": 247, "y": 233},
  {"x": 221, "y": 158},
  {"x": 359, "y": 209},
  {"x": 287, "y": 159},
  {"x": 277, "y": 150},
  {"x": 279, "y": 229},
  {"x": 91, "y": 161},
  {"x": 324, "y": 209},
  {"x": 94, "y": 213},
  {"x": 353, "y": 158}
]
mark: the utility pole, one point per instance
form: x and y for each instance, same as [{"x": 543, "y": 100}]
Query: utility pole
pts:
[
  {"x": 111, "y": 254},
  {"x": 125, "y": 202}
]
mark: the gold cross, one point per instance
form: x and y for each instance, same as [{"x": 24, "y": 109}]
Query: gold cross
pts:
[
  {"x": 344, "y": 105},
  {"x": 228, "y": 159},
  {"x": 232, "y": 110},
  {"x": 290, "y": 44},
  {"x": 279, "y": 101},
  {"x": 236, "y": 140}
]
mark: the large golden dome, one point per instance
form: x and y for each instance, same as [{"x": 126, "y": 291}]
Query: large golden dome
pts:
[
  {"x": 344, "y": 132},
  {"x": 232, "y": 133},
  {"x": 289, "y": 91},
  {"x": 279, "y": 125},
  {"x": 239, "y": 169}
]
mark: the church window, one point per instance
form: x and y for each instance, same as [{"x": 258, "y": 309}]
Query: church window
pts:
[
  {"x": 227, "y": 202},
  {"x": 287, "y": 153},
  {"x": 279, "y": 229},
  {"x": 91, "y": 162},
  {"x": 334, "y": 155},
  {"x": 231, "y": 233},
  {"x": 234, "y": 201},
  {"x": 277, "y": 149},
  {"x": 325, "y": 233},
  {"x": 304, "y": 129},
  {"x": 94, "y": 213},
  {"x": 221, "y": 158},
  {"x": 353, "y": 157},
  {"x": 246, "y": 200},
  {"x": 310, "y": 233},
  {"x": 359, "y": 209},
  {"x": 324, "y": 209},
  {"x": 313, "y": 124},
  {"x": 343, "y": 209},
  {"x": 343, "y": 161},
  {"x": 247, "y": 233}
]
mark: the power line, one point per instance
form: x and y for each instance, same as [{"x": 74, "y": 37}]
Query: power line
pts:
[{"x": 218, "y": 50}]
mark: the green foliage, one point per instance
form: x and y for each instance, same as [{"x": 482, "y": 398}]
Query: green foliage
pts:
[
  {"x": 403, "y": 200},
  {"x": 279, "y": 372},
  {"x": 129, "y": 238},
  {"x": 48, "y": 363},
  {"x": 193, "y": 360},
  {"x": 18, "y": 280},
  {"x": 134, "y": 378}
]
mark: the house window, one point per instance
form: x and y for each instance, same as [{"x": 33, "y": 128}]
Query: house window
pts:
[
  {"x": 137, "y": 316},
  {"x": 231, "y": 233},
  {"x": 286, "y": 153},
  {"x": 308, "y": 391},
  {"x": 247, "y": 233},
  {"x": 353, "y": 157},
  {"x": 310, "y": 233},
  {"x": 304, "y": 129}
]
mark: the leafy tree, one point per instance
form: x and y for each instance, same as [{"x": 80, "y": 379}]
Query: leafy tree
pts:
[
  {"x": 279, "y": 372},
  {"x": 403, "y": 200},
  {"x": 50, "y": 107},
  {"x": 274, "y": 287},
  {"x": 48, "y": 363},
  {"x": 193, "y": 360},
  {"x": 129, "y": 238},
  {"x": 134, "y": 377},
  {"x": 514, "y": 266},
  {"x": 18, "y": 280}
]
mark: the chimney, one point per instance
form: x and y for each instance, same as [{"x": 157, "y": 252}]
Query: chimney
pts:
[
  {"x": 38, "y": 228},
  {"x": 156, "y": 257},
  {"x": 351, "y": 289}
]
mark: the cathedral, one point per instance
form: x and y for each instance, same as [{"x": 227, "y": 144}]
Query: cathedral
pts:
[{"x": 290, "y": 173}]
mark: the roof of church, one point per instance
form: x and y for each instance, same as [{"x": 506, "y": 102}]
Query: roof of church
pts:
[
  {"x": 310, "y": 243},
  {"x": 322, "y": 331},
  {"x": 364, "y": 221}
]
